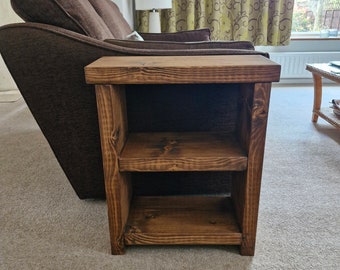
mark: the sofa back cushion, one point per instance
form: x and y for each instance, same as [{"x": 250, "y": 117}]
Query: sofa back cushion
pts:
[
  {"x": 112, "y": 17},
  {"x": 100, "y": 19}
]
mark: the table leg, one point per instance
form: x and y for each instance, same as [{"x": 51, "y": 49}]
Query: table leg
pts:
[
  {"x": 317, "y": 96},
  {"x": 246, "y": 186},
  {"x": 113, "y": 133}
]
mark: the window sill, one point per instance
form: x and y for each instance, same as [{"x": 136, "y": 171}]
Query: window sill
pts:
[{"x": 311, "y": 36}]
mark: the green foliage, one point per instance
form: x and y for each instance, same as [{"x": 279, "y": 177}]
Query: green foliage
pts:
[
  {"x": 302, "y": 22},
  {"x": 308, "y": 14},
  {"x": 331, "y": 4}
]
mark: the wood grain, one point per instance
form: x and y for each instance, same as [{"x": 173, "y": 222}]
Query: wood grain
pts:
[
  {"x": 190, "y": 69},
  {"x": 324, "y": 70},
  {"x": 329, "y": 116},
  {"x": 182, "y": 220},
  {"x": 251, "y": 183},
  {"x": 189, "y": 219},
  {"x": 113, "y": 132},
  {"x": 319, "y": 71},
  {"x": 185, "y": 151}
]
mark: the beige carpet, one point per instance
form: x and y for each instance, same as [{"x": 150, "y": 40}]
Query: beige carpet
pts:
[{"x": 43, "y": 225}]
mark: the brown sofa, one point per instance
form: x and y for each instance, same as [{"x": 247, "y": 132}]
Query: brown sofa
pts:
[{"x": 46, "y": 56}]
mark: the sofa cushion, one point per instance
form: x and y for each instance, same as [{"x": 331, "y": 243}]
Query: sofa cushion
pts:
[
  {"x": 134, "y": 36},
  {"x": 182, "y": 36},
  {"x": 169, "y": 45},
  {"x": 112, "y": 17},
  {"x": 99, "y": 19}
]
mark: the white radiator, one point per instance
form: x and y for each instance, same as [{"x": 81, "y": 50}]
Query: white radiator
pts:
[{"x": 293, "y": 64}]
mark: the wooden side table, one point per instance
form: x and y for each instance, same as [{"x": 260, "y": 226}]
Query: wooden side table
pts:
[
  {"x": 319, "y": 71},
  {"x": 183, "y": 220}
]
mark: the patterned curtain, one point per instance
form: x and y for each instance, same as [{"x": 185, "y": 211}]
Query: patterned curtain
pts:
[{"x": 264, "y": 22}]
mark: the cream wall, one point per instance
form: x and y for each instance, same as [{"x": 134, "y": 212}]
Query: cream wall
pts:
[{"x": 7, "y": 16}]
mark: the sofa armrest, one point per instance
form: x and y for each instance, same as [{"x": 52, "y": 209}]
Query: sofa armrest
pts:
[
  {"x": 162, "y": 48},
  {"x": 182, "y": 36},
  {"x": 169, "y": 45}
]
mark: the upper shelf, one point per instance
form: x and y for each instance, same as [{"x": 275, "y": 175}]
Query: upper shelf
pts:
[
  {"x": 192, "y": 151},
  {"x": 182, "y": 70}
]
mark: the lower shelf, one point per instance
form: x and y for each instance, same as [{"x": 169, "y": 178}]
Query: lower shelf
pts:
[
  {"x": 329, "y": 116},
  {"x": 184, "y": 220}
]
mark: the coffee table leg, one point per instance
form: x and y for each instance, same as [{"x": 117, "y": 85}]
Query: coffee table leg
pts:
[{"x": 317, "y": 96}]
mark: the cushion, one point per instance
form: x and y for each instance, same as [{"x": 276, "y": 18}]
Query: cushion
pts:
[
  {"x": 112, "y": 17},
  {"x": 99, "y": 19},
  {"x": 183, "y": 36},
  {"x": 168, "y": 45},
  {"x": 134, "y": 36}
]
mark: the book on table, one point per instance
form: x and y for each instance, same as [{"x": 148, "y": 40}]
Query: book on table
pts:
[{"x": 336, "y": 106}]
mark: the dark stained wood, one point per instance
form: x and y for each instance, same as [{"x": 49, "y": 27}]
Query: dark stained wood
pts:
[
  {"x": 238, "y": 191},
  {"x": 185, "y": 151},
  {"x": 182, "y": 220},
  {"x": 252, "y": 178},
  {"x": 191, "y": 69},
  {"x": 111, "y": 106},
  {"x": 150, "y": 108},
  {"x": 245, "y": 114},
  {"x": 236, "y": 149}
]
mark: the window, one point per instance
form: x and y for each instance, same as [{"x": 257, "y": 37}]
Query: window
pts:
[{"x": 319, "y": 17}]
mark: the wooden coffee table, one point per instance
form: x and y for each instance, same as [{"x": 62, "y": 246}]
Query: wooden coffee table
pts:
[
  {"x": 183, "y": 220},
  {"x": 320, "y": 71}
]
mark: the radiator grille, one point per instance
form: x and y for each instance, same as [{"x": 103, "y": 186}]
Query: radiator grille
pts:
[{"x": 293, "y": 64}]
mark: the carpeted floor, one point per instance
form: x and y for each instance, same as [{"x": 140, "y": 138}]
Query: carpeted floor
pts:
[{"x": 43, "y": 225}]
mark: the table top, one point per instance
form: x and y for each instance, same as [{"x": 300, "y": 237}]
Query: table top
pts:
[
  {"x": 325, "y": 70},
  {"x": 182, "y": 69}
]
